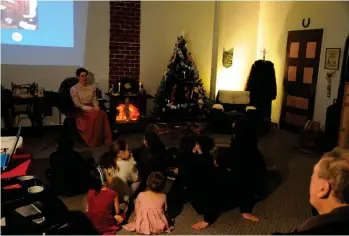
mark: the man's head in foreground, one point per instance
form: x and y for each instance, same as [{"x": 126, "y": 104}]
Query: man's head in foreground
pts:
[{"x": 329, "y": 186}]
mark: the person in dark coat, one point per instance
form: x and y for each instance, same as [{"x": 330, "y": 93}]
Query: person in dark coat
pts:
[
  {"x": 69, "y": 172},
  {"x": 206, "y": 188},
  {"x": 243, "y": 166},
  {"x": 261, "y": 84},
  {"x": 329, "y": 195},
  {"x": 195, "y": 178},
  {"x": 150, "y": 157},
  {"x": 186, "y": 145},
  {"x": 187, "y": 141},
  {"x": 78, "y": 223},
  {"x": 245, "y": 159}
]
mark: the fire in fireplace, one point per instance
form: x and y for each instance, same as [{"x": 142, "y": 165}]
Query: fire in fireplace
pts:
[{"x": 127, "y": 112}]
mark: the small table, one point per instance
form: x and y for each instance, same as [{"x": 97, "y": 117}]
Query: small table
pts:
[
  {"x": 36, "y": 108},
  {"x": 8, "y": 142}
]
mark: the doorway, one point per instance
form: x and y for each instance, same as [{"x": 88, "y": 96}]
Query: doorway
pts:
[{"x": 301, "y": 71}]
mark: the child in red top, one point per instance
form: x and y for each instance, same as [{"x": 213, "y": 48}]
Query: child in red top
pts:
[{"x": 103, "y": 205}]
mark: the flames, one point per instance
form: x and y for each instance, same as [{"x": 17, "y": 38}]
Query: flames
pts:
[{"x": 127, "y": 112}]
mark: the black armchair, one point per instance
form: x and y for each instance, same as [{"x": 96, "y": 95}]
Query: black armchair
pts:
[{"x": 230, "y": 105}]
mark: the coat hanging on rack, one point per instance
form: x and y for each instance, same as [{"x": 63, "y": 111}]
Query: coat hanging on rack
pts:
[{"x": 262, "y": 86}]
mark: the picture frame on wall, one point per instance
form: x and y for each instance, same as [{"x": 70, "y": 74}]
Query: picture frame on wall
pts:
[{"x": 332, "y": 58}]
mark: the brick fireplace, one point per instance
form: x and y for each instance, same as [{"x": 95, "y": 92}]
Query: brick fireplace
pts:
[
  {"x": 124, "y": 60},
  {"x": 124, "y": 45}
]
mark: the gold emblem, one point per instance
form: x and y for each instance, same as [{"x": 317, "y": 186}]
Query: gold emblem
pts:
[{"x": 228, "y": 58}]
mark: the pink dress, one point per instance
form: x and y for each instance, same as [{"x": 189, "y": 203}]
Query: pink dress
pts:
[{"x": 150, "y": 215}]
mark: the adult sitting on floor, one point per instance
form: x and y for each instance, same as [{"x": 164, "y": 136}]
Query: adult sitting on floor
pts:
[
  {"x": 150, "y": 157},
  {"x": 245, "y": 160},
  {"x": 329, "y": 195},
  {"x": 92, "y": 122},
  {"x": 186, "y": 145},
  {"x": 205, "y": 187},
  {"x": 188, "y": 139},
  {"x": 70, "y": 173}
]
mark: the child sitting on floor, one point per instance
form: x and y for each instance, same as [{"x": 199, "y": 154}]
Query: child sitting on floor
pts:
[
  {"x": 103, "y": 205},
  {"x": 121, "y": 166},
  {"x": 151, "y": 207},
  {"x": 150, "y": 157}
]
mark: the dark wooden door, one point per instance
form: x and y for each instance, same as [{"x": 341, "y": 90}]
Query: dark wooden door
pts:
[{"x": 301, "y": 71}]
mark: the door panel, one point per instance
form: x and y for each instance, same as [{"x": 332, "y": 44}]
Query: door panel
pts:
[
  {"x": 292, "y": 73},
  {"x": 294, "y": 50},
  {"x": 301, "y": 70},
  {"x": 308, "y": 75},
  {"x": 297, "y": 102},
  {"x": 311, "y": 50},
  {"x": 295, "y": 120}
]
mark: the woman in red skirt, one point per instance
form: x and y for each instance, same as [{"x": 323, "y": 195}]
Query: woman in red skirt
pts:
[{"x": 92, "y": 123}]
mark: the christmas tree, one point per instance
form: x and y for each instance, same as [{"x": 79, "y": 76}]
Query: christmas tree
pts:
[{"x": 181, "y": 92}]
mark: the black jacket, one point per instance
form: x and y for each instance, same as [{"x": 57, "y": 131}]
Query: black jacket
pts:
[
  {"x": 333, "y": 223},
  {"x": 70, "y": 172},
  {"x": 149, "y": 161}
]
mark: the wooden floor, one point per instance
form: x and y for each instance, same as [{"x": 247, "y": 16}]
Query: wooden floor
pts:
[{"x": 284, "y": 209}]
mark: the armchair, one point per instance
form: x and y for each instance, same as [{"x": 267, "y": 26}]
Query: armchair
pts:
[
  {"x": 64, "y": 103},
  {"x": 230, "y": 105}
]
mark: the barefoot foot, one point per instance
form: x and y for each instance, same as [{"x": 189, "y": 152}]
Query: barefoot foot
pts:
[
  {"x": 200, "y": 225},
  {"x": 249, "y": 216}
]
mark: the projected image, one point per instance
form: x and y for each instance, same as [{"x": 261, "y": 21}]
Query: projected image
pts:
[
  {"x": 19, "y": 14},
  {"x": 37, "y": 23}
]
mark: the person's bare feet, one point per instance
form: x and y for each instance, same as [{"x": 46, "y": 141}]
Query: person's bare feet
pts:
[
  {"x": 249, "y": 216},
  {"x": 200, "y": 225},
  {"x": 170, "y": 229},
  {"x": 118, "y": 218}
]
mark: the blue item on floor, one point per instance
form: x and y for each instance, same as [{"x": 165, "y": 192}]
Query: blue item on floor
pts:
[
  {"x": 5, "y": 157},
  {"x": 4, "y": 160}
]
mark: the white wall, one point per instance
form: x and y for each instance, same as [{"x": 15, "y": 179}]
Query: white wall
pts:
[
  {"x": 161, "y": 24},
  {"x": 238, "y": 29},
  {"x": 50, "y": 77},
  {"x": 246, "y": 26},
  {"x": 277, "y": 18}
]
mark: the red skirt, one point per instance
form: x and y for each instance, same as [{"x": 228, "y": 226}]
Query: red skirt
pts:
[{"x": 94, "y": 128}]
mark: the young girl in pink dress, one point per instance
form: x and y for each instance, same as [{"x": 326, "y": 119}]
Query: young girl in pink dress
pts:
[
  {"x": 103, "y": 205},
  {"x": 150, "y": 208}
]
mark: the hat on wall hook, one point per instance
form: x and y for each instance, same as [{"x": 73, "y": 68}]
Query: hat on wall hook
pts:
[{"x": 306, "y": 22}]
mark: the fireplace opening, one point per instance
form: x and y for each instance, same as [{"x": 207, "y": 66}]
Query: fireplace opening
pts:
[{"x": 127, "y": 112}]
